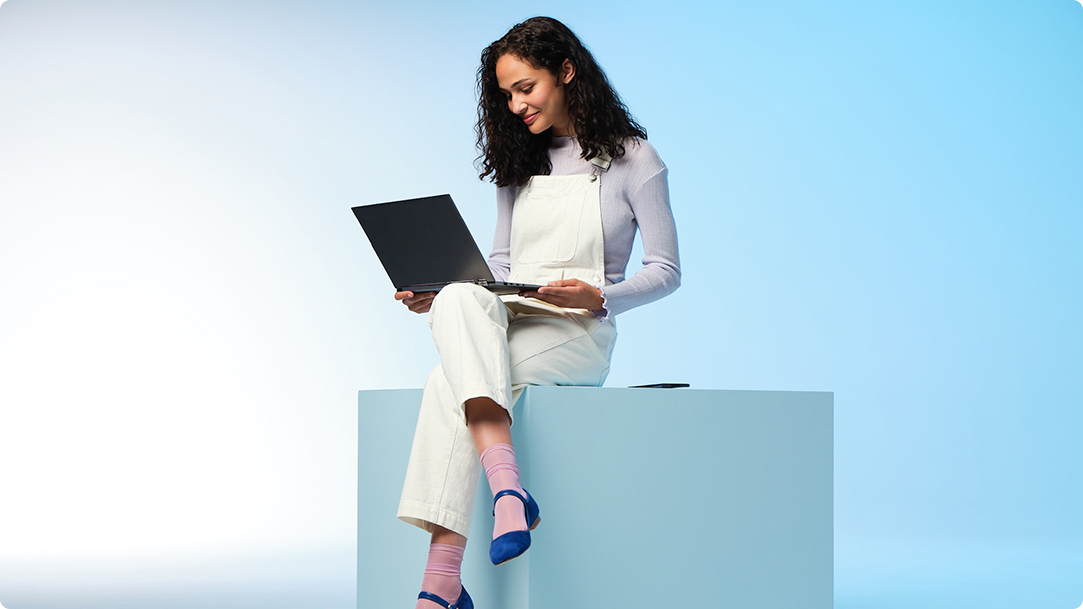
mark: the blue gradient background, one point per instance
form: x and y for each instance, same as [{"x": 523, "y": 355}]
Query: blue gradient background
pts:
[{"x": 884, "y": 200}]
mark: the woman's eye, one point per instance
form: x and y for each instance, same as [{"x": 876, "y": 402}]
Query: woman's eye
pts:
[{"x": 528, "y": 89}]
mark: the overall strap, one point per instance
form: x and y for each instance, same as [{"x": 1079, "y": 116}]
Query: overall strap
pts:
[{"x": 599, "y": 164}]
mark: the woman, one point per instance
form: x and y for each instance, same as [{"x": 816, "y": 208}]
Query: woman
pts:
[{"x": 575, "y": 178}]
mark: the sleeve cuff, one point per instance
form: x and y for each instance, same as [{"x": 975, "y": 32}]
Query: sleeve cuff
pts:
[{"x": 603, "y": 313}]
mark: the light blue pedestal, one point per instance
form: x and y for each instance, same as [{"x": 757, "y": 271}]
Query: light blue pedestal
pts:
[{"x": 686, "y": 498}]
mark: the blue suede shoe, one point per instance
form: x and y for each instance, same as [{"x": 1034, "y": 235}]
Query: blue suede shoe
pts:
[
  {"x": 514, "y": 543},
  {"x": 464, "y": 602}
]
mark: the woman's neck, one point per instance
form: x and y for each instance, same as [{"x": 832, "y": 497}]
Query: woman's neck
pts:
[{"x": 562, "y": 141}]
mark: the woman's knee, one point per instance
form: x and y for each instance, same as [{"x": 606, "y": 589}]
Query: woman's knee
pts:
[
  {"x": 458, "y": 298},
  {"x": 464, "y": 292}
]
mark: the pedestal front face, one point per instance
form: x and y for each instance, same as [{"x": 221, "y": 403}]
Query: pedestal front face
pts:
[
  {"x": 390, "y": 554},
  {"x": 685, "y": 498}
]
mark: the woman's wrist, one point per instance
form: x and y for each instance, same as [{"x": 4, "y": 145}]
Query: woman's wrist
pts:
[{"x": 599, "y": 300}]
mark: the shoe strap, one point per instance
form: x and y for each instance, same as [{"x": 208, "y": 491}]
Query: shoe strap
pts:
[
  {"x": 505, "y": 493},
  {"x": 436, "y": 599}
]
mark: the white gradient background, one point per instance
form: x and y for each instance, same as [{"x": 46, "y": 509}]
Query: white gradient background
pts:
[{"x": 880, "y": 199}]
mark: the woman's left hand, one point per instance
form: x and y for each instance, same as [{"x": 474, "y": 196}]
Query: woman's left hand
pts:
[{"x": 570, "y": 293}]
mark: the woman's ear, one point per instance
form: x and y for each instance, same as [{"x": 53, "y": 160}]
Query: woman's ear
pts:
[{"x": 567, "y": 72}]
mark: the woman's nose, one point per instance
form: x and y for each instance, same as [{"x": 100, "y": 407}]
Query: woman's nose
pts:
[{"x": 516, "y": 105}]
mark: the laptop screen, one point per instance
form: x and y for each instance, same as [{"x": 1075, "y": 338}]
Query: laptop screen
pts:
[{"x": 423, "y": 241}]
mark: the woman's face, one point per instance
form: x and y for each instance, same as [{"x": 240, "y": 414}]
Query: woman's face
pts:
[{"x": 536, "y": 95}]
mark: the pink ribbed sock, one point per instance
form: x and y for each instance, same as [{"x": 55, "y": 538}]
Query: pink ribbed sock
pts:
[
  {"x": 503, "y": 473},
  {"x": 442, "y": 574}
]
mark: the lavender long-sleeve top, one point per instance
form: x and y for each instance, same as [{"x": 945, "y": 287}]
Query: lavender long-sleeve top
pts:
[{"x": 634, "y": 193}]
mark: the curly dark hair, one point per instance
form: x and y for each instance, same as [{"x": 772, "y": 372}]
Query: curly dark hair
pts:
[{"x": 601, "y": 122}]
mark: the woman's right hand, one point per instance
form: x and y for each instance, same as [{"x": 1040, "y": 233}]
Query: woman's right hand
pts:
[{"x": 419, "y": 303}]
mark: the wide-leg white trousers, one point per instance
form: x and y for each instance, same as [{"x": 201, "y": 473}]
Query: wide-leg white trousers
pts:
[{"x": 487, "y": 349}]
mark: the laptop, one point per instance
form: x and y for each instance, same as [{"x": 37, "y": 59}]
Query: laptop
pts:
[{"x": 424, "y": 245}]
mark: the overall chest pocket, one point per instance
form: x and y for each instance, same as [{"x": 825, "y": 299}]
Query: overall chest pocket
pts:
[{"x": 546, "y": 225}]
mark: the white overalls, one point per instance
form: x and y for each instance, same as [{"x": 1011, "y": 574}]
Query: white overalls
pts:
[{"x": 492, "y": 347}]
